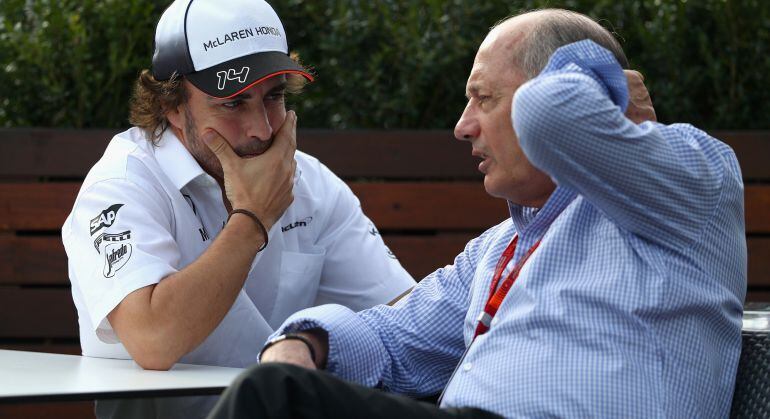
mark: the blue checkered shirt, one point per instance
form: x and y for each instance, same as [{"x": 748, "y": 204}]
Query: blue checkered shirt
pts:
[{"x": 630, "y": 307}]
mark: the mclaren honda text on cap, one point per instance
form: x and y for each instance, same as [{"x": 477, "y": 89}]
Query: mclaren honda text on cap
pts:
[{"x": 222, "y": 47}]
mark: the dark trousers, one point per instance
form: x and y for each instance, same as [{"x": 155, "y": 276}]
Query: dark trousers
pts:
[{"x": 287, "y": 391}]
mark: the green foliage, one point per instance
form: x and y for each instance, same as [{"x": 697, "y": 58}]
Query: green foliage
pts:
[
  {"x": 385, "y": 63},
  {"x": 71, "y": 63}
]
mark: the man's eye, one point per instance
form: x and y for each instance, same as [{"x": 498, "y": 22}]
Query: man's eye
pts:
[
  {"x": 232, "y": 104},
  {"x": 275, "y": 96}
]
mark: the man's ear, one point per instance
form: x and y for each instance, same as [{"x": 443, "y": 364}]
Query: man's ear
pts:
[{"x": 175, "y": 117}]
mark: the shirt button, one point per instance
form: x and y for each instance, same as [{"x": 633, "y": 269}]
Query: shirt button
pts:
[{"x": 467, "y": 366}]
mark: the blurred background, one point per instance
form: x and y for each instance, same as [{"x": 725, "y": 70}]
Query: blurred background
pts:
[{"x": 386, "y": 63}]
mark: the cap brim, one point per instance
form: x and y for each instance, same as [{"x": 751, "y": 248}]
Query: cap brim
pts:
[{"x": 233, "y": 77}]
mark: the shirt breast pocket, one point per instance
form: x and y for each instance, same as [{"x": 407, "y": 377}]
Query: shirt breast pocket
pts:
[{"x": 300, "y": 275}]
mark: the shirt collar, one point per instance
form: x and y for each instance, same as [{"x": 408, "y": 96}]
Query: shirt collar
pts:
[
  {"x": 529, "y": 220},
  {"x": 178, "y": 164}
]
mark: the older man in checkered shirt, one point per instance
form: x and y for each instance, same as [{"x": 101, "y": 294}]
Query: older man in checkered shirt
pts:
[{"x": 614, "y": 290}]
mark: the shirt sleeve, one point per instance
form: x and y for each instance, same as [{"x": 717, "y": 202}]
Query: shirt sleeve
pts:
[
  {"x": 409, "y": 348},
  {"x": 359, "y": 270},
  {"x": 119, "y": 240},
  {"x": 652, "y": 180}
]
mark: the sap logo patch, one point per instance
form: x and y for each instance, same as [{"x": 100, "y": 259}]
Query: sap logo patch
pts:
[
  {"x": 115, "y": 257},
  {"x": 105, "y": 219}
]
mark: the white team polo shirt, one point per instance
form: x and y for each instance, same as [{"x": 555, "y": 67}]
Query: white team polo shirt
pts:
[{"x": 145, "y": 212}]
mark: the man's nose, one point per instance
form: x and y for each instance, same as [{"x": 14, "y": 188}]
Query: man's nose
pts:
[
  {"x": 259, "y": 125},
  {"x": 467, "y": 127}
]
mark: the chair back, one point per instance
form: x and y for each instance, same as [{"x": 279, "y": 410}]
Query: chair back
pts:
[{"x": 751, "y": 398}]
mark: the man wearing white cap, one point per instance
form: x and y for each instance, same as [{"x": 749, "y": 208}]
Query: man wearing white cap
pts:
[{"x": 202, "y": 229}]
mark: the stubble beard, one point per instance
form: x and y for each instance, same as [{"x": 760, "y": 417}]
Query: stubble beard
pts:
[
  {"x": 200, "y": 151},
  {"x": 206, "y": 158}
]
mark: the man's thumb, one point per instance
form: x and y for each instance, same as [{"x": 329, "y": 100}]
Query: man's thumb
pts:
[{"x": 218, "y": 145}]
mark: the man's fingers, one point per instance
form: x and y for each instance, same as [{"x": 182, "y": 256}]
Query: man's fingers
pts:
[
  {"x": 633, "y": 75},
  {"x": 286, "y": 137},
  {"x": 293, "y": 129},
  {"x": 218, "y": 145},
  {"x": 640, "y": 106},
  {"x": 289, "y": 122}
]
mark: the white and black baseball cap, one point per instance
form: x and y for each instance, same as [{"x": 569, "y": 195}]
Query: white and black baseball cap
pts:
[{"x": 223, "y": 47}]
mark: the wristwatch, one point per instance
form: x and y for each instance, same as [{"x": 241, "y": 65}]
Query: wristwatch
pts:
[{"x": 290, "y": 336}]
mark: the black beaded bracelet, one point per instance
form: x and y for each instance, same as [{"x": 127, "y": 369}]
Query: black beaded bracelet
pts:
[
  {"x": 289, "y": 336},
  {"x": 256, "y": 220}
]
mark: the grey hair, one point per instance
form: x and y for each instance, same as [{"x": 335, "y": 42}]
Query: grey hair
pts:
[{"x": 556, "y": 28}]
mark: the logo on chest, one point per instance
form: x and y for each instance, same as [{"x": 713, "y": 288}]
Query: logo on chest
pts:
[
  {"x": 202, "y": 230},
  {"x": 301, "y": 223}
]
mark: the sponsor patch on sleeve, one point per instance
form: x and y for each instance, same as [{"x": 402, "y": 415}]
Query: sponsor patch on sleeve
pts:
[
  {"x": 107, "y": 237},
  {"x": 105, "y": 219},
  {"x": 116, "y": 255}
]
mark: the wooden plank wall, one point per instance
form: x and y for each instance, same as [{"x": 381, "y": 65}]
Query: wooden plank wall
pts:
[{"x": 421, "y": 188}]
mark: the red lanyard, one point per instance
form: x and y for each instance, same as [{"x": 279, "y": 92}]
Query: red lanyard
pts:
[{"x": 496, "y": 295}]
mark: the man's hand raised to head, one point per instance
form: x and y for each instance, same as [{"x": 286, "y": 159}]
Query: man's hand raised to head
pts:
[
  {"x": 639, "y": 102},
  {"x": 261, "y": 184}
]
